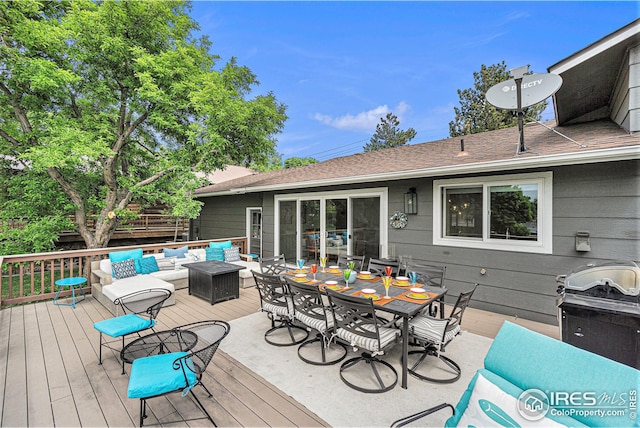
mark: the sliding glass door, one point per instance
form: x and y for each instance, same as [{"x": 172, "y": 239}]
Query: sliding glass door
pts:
[{"x": 329, "y": 224}]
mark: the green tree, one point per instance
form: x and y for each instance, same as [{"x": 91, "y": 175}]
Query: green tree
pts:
[
  {"x": 112, "y": 102},
  {"x": 296, "y": 162},
  {"x": 475, "y": 114},
  {"x": 388, "y": 135},
  {"x": 511, "y": 210}
]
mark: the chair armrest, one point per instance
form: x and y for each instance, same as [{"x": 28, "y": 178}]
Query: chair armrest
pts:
[
  {"x": 411, "y": 418},
  {"x": 105, "y": 278}
]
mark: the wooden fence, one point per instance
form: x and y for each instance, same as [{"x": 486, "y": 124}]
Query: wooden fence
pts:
[{"x": 31, "y": 277}]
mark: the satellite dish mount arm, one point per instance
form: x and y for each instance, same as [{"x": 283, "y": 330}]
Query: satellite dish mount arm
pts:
[{"x": 522, "y": 148}]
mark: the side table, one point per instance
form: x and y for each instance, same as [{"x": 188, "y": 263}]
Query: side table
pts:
[{"x": 73, "y": 282}]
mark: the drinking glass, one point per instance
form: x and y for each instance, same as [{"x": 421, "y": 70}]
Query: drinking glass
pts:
[
  {"x": 347, "y": 274},
  {"x": 300, "y": 264},
  {"x": 314, "y": 269},
  {"x": 388, "y": 270},
  {"x": 323, "y": 263},
  {"x": 413, "y": 276},
  {"x": 386, "y": 281}
]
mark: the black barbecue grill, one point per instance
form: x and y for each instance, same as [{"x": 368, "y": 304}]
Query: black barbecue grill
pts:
[{"x": 599, "y": 310}]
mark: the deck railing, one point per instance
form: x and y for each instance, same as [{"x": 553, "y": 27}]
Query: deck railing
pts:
[{"x": 31, "y": 277}]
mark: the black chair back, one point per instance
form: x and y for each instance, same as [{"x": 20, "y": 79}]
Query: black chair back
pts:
[
  {"x": 210, "y": 334},
  {"x": 144, "y": 302},
  {"x": 355, "y": 315},
  {"x": 432, "y": 275},
  {"x": 307, "y": 300},
  {"x": 273, "y": 265},
  {"x": 272, "y": 289},
  {"x": 344, "y": 259},
  {"x": 461, "y": 306},
  {"x": 376, "y": 266}
]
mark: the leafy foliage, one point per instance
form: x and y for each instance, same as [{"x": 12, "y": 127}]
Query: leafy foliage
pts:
[
  {"x": 388, "y": 135},
  {"x": 112, "y": 102},
  {"x": 296, "y": 162},
  {"x": 511, "y": 211},
  {"x": 476, "y": 115}
]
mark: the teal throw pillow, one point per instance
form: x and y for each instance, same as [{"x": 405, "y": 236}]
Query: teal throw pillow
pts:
[
  {"x": 148, "y": 265},
  {"x": 119, "y": 256},
  {"x": 178, "y": 252},
  {"x": 220, "y": 245},
  {"x": 214, "y": 254}
]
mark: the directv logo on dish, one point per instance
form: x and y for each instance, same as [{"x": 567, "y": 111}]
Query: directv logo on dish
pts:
[{"x": 524, "y": 85}]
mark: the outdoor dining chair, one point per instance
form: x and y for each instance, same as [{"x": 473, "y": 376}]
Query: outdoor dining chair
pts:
[
  {"x": 178, "y": 371},
  {"x": 376, "y": 266},
  {"x": 312, "y": 312},
  {"x": 273, "y": 265},
  {"x": 276, "y": 301},
  {"x": 139, "y": 309},
  {"x": 344, "y": 259},
  {"x": 359, "y": 327},
  {"x": 433, "y": 335},
  {"x": 431, "y": 275}
]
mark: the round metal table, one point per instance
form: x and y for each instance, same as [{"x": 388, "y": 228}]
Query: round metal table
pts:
[{"x": 73, "y": 282}]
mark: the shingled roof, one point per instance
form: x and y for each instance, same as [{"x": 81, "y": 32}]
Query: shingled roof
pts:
[{"x": 591, "y": 142}]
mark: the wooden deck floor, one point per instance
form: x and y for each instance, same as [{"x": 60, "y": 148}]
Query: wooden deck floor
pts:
[{"x": 50, "y": 375}]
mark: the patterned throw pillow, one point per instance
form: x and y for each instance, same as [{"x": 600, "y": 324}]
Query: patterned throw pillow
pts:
[
  {"x": 232, "y": 254},
  {"x": 167, "y": 263},
  {"x": 124, "y": 269},
  {"x": 148, "y": 265}
]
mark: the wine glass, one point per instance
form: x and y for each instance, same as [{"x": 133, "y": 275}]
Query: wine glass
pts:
[
  {"x": 413, "y": 276},
  {"x": 314, "y": 269},
  {"x": 347, "y": 274},
  {"x": 323, "y": 263},
  {"x": 388, "y": 270},
  {"x": 386, "y": 281},
  {"x": 300, "y": 264}
]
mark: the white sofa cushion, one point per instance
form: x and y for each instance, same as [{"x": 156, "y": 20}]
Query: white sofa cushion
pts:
[
  {"x": 122, "y": 287},
  {"x": 246, "y": 273},
  {"x": 170, "y": 275}
]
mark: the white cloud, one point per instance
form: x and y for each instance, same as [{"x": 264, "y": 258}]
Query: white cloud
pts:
[{"x": 363, "y": 121}]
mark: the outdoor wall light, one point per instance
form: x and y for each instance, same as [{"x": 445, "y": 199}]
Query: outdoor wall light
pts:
[{"x": 411, "y": 201}]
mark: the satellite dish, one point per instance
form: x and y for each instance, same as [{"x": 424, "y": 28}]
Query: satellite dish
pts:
[{"x": 534, "y": 88}]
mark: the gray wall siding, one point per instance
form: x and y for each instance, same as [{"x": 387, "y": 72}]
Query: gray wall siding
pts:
[
  {"x": 603, "y": 199},
  {"x": 225, "y": 216}
]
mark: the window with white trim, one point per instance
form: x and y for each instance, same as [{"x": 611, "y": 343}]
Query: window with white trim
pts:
[{"x": 508, "y": 212}]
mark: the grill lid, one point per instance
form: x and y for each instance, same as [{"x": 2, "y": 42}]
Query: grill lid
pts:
[{"x": 622, "y": 275}]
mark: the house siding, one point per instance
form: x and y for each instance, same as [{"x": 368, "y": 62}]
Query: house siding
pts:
[
  {"x": 603, "y": 199},
  {"x": 634, "y": 90}
]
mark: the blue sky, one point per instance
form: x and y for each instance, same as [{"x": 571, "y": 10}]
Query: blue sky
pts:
[{"x": 341, "y": 66}]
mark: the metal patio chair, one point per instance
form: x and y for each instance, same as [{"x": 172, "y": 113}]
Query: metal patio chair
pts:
[
  {"x": 275, "y": 265},
  {"x": 344, "y": 259},
  {"x": 376, "y": 266},
  {"x": 312, "y": 312},
  {"x": 276, "y": 301},
  {"x": 178, "y": 371},
  {"x": 434, "y": 334},
  {"x": 431, "y": 275},
  {"x": 358, "y": 326},
  {"x": 140, "y": 310}
]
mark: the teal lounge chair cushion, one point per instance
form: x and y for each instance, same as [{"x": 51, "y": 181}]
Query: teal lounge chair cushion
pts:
[{"x": 156, "y": 375}]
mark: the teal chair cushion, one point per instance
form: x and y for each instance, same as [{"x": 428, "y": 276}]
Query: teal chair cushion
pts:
[
  {"x": 156, "y": 375},
  {"x": 123, "y": 325}
]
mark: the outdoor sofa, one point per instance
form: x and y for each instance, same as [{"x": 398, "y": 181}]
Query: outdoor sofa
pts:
[{"x": 168, "y": 272}]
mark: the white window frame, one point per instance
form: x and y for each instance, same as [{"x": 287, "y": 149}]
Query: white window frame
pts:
[
  {"x": 380, "y": 192},
  {"x": 544, "y": 243}
]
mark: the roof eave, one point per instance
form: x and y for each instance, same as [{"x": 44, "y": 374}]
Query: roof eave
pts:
[{"x": 590, "y": 156}]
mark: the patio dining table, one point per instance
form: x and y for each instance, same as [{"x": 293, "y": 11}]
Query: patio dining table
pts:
[{"x": 399, "y": 304}]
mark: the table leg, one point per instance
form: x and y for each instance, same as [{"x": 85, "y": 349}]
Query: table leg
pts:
[{"x": 405, "y": 350}]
